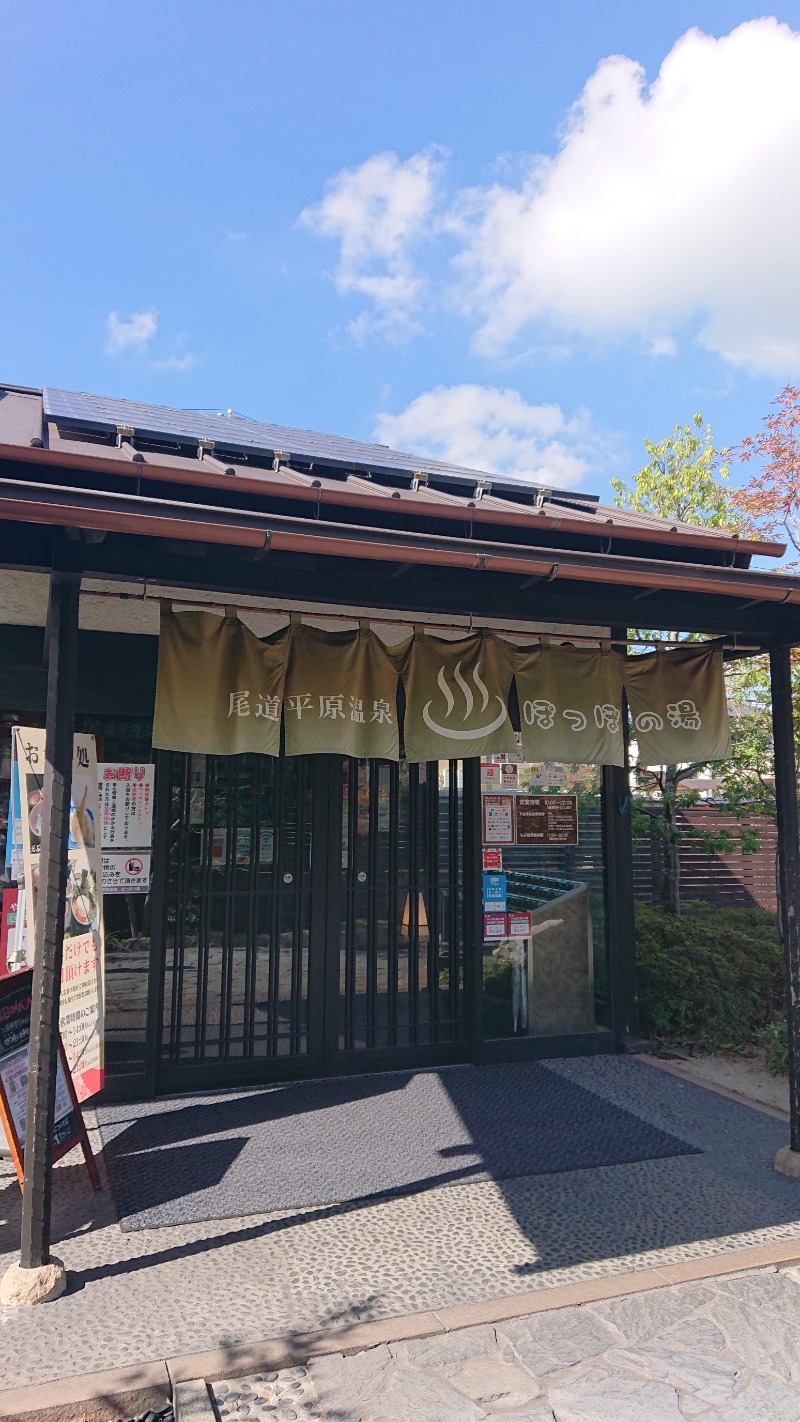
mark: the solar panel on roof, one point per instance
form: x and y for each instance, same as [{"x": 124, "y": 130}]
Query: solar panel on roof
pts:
[{"x": 232, "y": 432}]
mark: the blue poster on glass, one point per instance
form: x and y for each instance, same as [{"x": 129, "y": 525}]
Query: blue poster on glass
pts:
[{"x": 494, "y": 893}]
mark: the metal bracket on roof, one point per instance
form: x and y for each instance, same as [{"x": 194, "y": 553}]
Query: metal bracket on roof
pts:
[
  {"x": 541, "y": 496},
  {"x": 205, "y": 446},
  {"x": 124, "y": 433},
  {"x": 278, "y": 455},
  {"x": 483, "y": 486},
  {"x": 418, "y": 479},
  {"x": 480, "y": 563}
]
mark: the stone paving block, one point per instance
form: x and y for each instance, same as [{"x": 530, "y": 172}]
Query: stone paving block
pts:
[
  {"x": 763, "y": 1342},
  {"x": 772, "y": 1290},
  {"x": 644, "y": 1316},
  {"x": 410, "y": 1394},
  {"x": 711, "y": 1380},
  {"x": 346, "y": 1387},
  {"x": 764, "y": 1400},
  {"x": 191, "y": 1402},
  {"x": 491, "y": 1382},
  {"x": 616, "y": 1399},
  {"x": 546, "y": 1342},
  {"x": 451, "y": 1347}
]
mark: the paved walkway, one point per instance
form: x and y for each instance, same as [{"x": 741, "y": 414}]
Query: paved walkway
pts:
[
  {"x": 724, "y": 1351},
  {"x": 160, "y": 1294}
]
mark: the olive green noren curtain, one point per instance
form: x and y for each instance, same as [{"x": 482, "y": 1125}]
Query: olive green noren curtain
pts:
[
  {"x": 570, "y": 704},
  {"x": 678, "y": 706},
  {"x": 219, "y": 690},
  {"x": 457, "y": 697},
  {"x": 341, "y": 694}
]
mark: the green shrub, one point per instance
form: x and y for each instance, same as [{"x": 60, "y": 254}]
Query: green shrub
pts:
[
  {"x": 774, "y": 1044},
  {"x": 711, "y": 977}
]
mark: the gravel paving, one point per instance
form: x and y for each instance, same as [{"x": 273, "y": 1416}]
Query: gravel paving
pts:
[{"x": 141, "y": 1297}]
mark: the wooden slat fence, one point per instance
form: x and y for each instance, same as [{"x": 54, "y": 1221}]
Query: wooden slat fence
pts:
[{"x": 729, "y": 880}]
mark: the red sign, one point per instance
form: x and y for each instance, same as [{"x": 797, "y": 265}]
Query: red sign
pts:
[
  {"x": 8, "y": 927},
  {"x": 492, "y": 861},
  {"x": 495, "y": 925},
  {"x": 519, "y": 925}
]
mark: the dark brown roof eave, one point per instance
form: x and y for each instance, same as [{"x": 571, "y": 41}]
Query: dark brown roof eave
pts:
[
  {"x": 136, "y": 514},
  {"x": 288, "y": 484}
]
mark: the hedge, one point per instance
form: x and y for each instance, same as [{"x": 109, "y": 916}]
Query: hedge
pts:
[{"x": 711, "y": 977}]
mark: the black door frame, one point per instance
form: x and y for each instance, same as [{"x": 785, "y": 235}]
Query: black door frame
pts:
[{"x": 324, "y": 1056}]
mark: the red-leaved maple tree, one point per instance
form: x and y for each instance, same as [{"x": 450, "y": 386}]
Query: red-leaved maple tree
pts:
[{"x": 771, "y": 500}]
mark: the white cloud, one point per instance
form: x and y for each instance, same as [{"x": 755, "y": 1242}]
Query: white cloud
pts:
[
  {"x": 497, "y": 431},
  {"x": 131, "y": 333},
  {"x": 175, "y": 362},
  {"x": 665, "y": 207},
  {"x": 236, "y": 236},
  {"x": 663, "y": 346},
  {"x": 377, "y": 212}
]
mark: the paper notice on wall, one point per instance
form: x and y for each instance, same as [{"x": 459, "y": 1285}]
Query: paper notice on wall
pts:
[
  {"x": 126, "y": 804},
  {"x": 81, "y": 1019}
]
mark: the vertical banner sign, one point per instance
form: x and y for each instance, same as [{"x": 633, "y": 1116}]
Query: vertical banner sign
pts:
[
  {"x": 81, "y": 1019},
  {"x": 570, "y": 705},
  {"x": 678, "y": 706},
  {"x": 15, "y": 1032},
  {"x": 219, "y": 690},
  {"x": 457, "y": 698},
  {"x": 341, "y": 694},
  {"x": 126, "y": 825}
]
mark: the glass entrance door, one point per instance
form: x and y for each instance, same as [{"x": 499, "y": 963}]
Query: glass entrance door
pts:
[
  {"x": 236, "y": 856},
  {"x": 401, "y": 931},
  {"x": 311, "y": 915}
]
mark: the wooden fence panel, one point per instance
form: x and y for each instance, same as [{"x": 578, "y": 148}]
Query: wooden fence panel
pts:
[{"x": 734, "y": 880}]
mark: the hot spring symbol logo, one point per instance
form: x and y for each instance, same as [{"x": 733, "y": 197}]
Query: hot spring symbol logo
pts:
[{"x": 451, "y": 732}]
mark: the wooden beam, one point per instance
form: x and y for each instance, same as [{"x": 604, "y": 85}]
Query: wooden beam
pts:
[
  {"x": 788, "y": 865},
  {"x": 62, "y": 666}
]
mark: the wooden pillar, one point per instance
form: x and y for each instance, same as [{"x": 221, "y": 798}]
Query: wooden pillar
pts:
[
  {"x": 61, "y": 651},
  {"x": 788, "y": 864}
]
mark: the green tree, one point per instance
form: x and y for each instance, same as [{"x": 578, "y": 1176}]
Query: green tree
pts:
[{"x": 683, "y": 482}]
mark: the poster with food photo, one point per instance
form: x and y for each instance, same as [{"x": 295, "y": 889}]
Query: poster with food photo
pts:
[{"x": 81, "y": 1014}]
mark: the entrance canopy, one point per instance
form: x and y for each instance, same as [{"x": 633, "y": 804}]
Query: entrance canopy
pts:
[{"x": 115, "y": 489}]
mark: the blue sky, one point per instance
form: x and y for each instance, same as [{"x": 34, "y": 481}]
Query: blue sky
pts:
[{"x": 518, "y": 234}]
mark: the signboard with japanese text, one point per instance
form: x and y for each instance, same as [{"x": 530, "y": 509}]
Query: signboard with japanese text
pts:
[
  {"x": 15, "y": 1031},
  {"x": 498, "y": 819},
  {"x": 81, "y": 1018},
  {"x": 510, "y": 775},
  {"x": 547, "y": 819},
  {"x": 678, "y": 705},
  {"x": 495, "y": 925},
  {"x": 126, "y": 871},
  {"x": 126, "y": 805},
  {"x": 492, "y": 861},
  {"x": 491, "y": 775},
  {"x": 495, "y": 892},
  {"x": 519, "y": 925}
]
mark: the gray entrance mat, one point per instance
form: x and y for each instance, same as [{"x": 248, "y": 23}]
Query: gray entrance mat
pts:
[{"x": 179, "y": 1160}]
